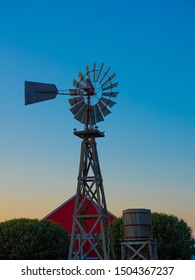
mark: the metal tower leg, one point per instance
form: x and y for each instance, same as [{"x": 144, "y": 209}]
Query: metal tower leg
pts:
[{"x": 90, "y": 236}]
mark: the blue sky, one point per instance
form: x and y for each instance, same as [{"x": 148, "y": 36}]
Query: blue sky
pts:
[{"x": 148, "y": 155}]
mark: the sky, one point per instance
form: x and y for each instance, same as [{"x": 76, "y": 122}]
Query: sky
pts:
[{"x": 147, "y": 157}]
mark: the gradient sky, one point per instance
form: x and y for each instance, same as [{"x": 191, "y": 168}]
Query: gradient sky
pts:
[{"x": 148, "y": 155}]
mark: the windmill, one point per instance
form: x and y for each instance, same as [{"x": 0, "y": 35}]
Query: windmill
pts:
[{"x": 90, "y": 100}]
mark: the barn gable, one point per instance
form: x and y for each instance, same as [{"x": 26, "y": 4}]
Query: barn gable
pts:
[{"x": 64, "y": 213}]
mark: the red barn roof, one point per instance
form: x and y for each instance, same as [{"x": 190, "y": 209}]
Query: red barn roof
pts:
[{"x": 64, "y": 214}]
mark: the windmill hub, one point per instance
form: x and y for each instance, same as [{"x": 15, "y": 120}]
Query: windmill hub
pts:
[{"x": 89, "y": 91}]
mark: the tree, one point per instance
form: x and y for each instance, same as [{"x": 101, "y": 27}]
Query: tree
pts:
[
  {"x": 174, "y": 237},
  {"x": 116, "y": 229},
  {"x": 30, "y": 239}
]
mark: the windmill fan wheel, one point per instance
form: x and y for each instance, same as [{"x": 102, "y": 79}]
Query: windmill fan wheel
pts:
[{"x": 93, "y": 95}]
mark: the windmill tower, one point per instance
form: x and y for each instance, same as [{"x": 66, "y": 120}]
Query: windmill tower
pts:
[{"x": 89, "y": 101}]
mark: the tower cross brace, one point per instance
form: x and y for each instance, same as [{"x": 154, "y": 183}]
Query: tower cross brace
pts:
[{"x": 90, "y": 230}]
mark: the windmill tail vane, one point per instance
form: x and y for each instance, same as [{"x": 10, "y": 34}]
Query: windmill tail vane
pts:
[{"x": 38, "y": 92}]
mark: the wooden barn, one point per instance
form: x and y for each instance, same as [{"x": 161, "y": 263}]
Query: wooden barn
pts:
[{"x": 64, "y": 216}]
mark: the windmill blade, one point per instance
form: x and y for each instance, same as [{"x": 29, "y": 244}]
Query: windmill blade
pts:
[
  {"x": 100, "y": 71},
  {"x": 81, "y": 112},
  {"x": 38, "y": 92},
  {"x": 108, "y": 102},
  {"x": 78, "y": 84},
  {"x": 75, "y": 100},
  {"x": 105, "y": 74},
  {"x": 89, "y": 83},
  {"x": 92, "y": 116},
  {"x": 109, "y": 79},
  {"x": 84, "y": 118},
  {"x": 94, "y": 72},
  {"x": 110, "y": 94},
  {"x": 87, "y": 72},
  {"x": 98, "y": 114},
  {"x": 111, "y": 86},
  {"x": 77, "y": 107},
  {"x": 82, "y": 78},
  {"x": 76, "y": 92},
  {"x": 105, "y": 111}
]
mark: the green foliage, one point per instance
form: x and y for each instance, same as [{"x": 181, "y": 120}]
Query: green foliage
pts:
[
  {"x": 174, "y": 237},
  {"x": 116, "y": 229},
  {"x": 31, "y": 239}
]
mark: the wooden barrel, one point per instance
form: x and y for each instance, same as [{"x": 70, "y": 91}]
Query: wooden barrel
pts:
[{"x": 137, "y": 224}]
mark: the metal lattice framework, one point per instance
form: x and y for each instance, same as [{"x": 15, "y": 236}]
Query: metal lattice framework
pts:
[
  {"x": 90, "y": 101},
  {"x": 90, "y": 232}
]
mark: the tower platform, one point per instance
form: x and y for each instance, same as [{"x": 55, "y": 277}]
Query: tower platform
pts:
[{"x": 89, "y": 133}]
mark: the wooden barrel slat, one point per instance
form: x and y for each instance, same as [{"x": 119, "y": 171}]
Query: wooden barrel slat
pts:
[{"x": 137, "y": 224}]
